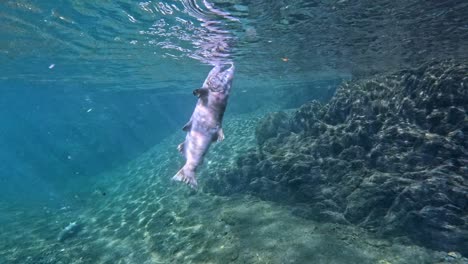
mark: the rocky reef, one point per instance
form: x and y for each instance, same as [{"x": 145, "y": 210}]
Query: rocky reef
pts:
[{"x": 388, "y": 153}]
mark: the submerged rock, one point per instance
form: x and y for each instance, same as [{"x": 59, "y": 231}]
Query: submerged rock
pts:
[
  {"x": 272, "y": 126},
  {"x": 387, "y": 153}
]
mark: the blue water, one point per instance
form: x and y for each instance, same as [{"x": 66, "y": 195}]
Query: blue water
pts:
[{"x": 93, "y": 96}]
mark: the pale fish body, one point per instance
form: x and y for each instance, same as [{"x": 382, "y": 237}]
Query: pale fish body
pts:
[
  {"x": 69, "y": 231},
  {"x": 205, "y": 126}
]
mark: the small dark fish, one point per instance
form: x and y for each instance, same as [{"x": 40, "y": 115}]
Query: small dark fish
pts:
[
  {"x": 100, "y": 191},
  {"x": 204, "y": 126}
]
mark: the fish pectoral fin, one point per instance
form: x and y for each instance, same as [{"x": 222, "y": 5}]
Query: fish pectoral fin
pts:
[
  {"x": 200, "y": 92},
  {"x": 187, "y": 126},
  {"x": 220, "y": 135}
]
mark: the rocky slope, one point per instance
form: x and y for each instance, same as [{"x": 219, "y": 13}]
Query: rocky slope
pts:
[{"x": 388, "y": 153}]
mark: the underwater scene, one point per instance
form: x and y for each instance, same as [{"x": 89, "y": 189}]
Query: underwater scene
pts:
[{"x": 234, "y": 131}]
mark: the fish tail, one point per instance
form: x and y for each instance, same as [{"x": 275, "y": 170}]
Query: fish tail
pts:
[{"x": 186, "y": 176}]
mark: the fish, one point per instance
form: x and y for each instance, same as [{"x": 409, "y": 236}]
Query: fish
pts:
[
  {"x": 69, "y": 231},
  {"x": 205, "y": 124}
]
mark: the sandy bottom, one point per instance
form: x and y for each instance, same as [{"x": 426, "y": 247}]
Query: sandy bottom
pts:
[{"x": 145, "y": 218}]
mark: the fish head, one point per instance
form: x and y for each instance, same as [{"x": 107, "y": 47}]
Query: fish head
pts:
[{"x": 220, "y": 78}]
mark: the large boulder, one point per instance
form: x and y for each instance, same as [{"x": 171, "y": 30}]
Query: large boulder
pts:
[
  {"x": 271, "y": 126},
  {"x": 389, "y": 153}
]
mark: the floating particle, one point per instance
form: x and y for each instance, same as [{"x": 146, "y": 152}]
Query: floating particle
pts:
[{"x": 51, "y": 66}]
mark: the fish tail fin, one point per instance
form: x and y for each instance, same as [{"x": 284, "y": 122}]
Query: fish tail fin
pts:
[{"x": 186, "y": 176}]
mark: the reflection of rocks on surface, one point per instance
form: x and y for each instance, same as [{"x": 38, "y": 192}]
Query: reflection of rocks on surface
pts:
[{"x": 388, "y": 153}]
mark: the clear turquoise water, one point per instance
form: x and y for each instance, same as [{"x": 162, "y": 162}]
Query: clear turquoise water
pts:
[{"x": 88, "y": 86}]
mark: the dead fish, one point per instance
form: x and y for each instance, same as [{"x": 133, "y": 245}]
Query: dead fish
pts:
[{"x": 205, "y": 126}]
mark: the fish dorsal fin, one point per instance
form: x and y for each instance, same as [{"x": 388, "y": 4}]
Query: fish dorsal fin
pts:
[{"x": 187, "y": 126}]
